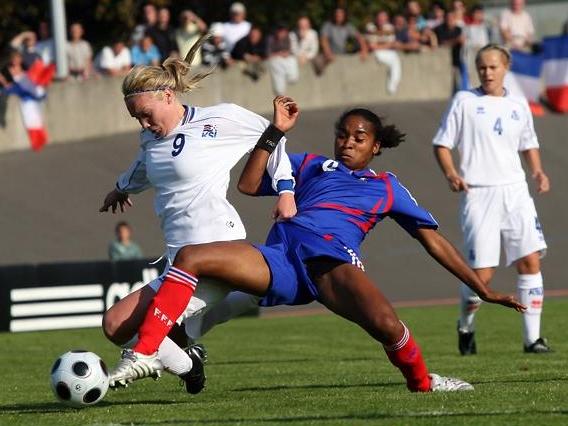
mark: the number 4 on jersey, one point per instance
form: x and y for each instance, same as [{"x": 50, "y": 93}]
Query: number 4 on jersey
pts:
[{"x": 497, "y": 127}]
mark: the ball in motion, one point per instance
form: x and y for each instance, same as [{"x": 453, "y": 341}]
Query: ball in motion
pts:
[{"x": 79, "y": 378}]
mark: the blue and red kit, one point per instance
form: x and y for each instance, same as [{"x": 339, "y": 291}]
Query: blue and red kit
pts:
[{"x": 337, "y": 207}]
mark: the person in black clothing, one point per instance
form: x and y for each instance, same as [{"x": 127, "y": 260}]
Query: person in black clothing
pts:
[
  {"x": 449, "y": 34},
  {"x": 251, "y": 51},
  {"x": 163, "y": 34}
]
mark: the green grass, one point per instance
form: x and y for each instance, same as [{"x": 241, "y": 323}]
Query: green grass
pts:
[{"x": 318, "y": 370}]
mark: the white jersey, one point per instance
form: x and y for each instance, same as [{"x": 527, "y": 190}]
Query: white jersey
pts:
[
  {"x": 489, "y": 132},
  {"x": 189, "y": 170}
]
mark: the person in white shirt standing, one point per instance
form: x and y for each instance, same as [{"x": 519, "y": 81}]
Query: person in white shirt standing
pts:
[
  {"x": 237, "y": 28},
  {"x": 186, "y": 154},
  {"x": 489, "y": 127},
  {"x": 517, "y": 28}
]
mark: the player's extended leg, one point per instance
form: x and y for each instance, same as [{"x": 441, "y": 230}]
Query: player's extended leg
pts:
[
  {"x": 469, "y": 305},
  {"x": 238, "y": 264},
  {"x": 531, "y": 294},
  {"x": 347, "y": 291}
]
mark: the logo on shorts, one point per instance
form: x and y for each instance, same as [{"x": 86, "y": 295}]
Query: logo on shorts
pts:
[
  {"x": 471, "y": 255},
  {"x": 355, "y": 259},
  {"x": 537, "y": 224},
  {"x": 515, "y": 115},
  {"x": 209, "y": 131}
]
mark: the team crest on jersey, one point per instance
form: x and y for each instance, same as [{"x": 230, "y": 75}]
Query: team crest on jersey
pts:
[
  {"x": 329, "y": 165},
  {"x": 480, "y": 110},
  {"x": 515, "y": 115},
  {"x": 209, "y": 131}
]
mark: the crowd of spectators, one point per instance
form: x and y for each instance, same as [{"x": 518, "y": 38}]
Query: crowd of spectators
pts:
[{"x": 281, "y": 50}]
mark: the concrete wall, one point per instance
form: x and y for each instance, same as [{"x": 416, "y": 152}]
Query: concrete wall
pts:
[{"x": 77, "y": 111}]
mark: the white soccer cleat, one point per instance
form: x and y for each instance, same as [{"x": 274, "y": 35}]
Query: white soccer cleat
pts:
[
  {"x": 448, "y": 384},
  {"x": 134, "y": 366}
]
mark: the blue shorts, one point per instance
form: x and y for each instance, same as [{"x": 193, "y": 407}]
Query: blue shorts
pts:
[{"x": 288, "y": 247}]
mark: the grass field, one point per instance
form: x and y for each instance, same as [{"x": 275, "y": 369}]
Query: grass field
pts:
[{"x": 317, "y": 370}]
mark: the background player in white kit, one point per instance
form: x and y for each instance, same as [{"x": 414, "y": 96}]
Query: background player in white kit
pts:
[
  {"x": 489, "y": 127},
  {"x": 186, "y": 154}
]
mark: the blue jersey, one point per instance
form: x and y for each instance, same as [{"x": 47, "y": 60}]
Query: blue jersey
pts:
[{"x": 338, "y": 203}]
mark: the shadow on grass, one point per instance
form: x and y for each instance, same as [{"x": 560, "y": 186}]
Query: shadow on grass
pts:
[
  {"x": 319, "y": 386},
  {"x": 281, "y": 361},
  {"x": 56, "y": 407},
  {"x": 527, "y": 380},
  {"x": 348, "y": 418}
]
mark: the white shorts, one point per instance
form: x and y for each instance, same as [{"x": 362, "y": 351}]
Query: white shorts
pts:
[
  {"x": 491, "y": 213},
  {"x": 207, "y": 294}
]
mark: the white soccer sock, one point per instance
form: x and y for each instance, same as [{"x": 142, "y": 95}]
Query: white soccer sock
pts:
[
  {"x": 174, "y": 358},
  {"x": 469, "y": 305},
  {"x": 530, "y": 292}
]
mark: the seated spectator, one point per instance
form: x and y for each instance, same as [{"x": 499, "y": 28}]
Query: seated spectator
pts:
[
  {"x": 336, "y": 38},
  {"x": 25, "y": 43},
  {"x": 191, "y": 27},
  {"x": 425, "y": 38},
  {"x": 450, "y": 35},
  {"x": 414, "y": 10},
  {"x": 304, "y": 39},
  {"x": 45, "y": 46},
  {"x": 282, "y": 63},
  {"x": 381, "y": 41},
  {"x": 145, "y": 52},
  {"x": 404, "y": 42},
  {"x": 79, "y": 53},
  {"x": 516, "y": 25},
  {"x": 251, "y": 51},
  {"x": 115, "y": 60},
  {"x": 123, "y": 248},
  {"x": 237, "y": 27},
  {"x": 436, "y": 15},
  {"x": 214, "y": 51},
  {"x": 163, "y": 35},
  {"x": 149, "y": 20}
]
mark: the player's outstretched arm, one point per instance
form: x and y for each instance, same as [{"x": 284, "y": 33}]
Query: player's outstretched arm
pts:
[
  {"x": 114, "y": 200},
  {"x": 448, "y": 256}
]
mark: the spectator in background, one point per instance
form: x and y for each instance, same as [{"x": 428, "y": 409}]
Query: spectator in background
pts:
[
  {"x": 25, "y": 43},
  {"x": 425, "y": 38},
  {"x": 13, "y": 70},
  {"x": 381, "y": 41},
  {"x": 404, "y": 42},
  {"x": 163, "y": 35},
  {"x": 123, "y": 248},
  {"x": 516, "y": 25},
  {"x": 337, "y": 37},
  {"x": 237, "y": 27},
  {"x": 150, "y": 19},
  {"x": 304, "y": 39},
  {"x": 214, "y": 51},
  {"x": 450, "y": 35},
  {"x": 460, "y": 13},
  {"x": 145, "y": 52},
  {"x": 250, "y": 51},
  {"x": 190, "y": 29},
  {"x": 436, "y": 15},
  {"x": 114, "y": 60},
  {"x": 45, "y": 46},
  {"x": 79, "y": 53},
  {"x": 414, "y": 10},
  {"x": 476, "y": 34},
  {"x": 282, "y": 63}
]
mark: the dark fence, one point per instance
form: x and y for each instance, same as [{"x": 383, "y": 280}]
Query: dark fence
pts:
[{"x": 67, "y": 295}]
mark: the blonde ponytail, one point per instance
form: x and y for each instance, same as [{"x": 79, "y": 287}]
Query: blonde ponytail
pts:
[{"x": 172, "y": 74}]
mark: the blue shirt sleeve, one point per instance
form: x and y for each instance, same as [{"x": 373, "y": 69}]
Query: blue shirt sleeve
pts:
[
  {"x": 406, "y": 211},
  {"x": 266, "y": 185}
]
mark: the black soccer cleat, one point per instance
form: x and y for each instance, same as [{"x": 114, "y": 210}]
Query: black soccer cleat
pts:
[
  {"x": 466, "y": 342},
  {"x": 195, "y": 378},
  {"x": 540, "y": 346}
]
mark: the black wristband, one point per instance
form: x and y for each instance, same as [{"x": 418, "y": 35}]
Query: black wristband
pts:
[{"x": 270, "y": 138}]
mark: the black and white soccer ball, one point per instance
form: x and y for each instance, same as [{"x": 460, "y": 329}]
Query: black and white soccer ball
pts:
[{"x": 79, "y": 378}]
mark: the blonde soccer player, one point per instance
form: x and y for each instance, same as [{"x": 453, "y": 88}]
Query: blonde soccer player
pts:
[
  {"x": 490, "y": 127},
  {"x": 186, "y": 154}
]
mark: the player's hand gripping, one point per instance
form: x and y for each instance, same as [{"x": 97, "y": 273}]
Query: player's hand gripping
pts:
[
  {"x": 491, "y": 296},
  {"x": 286, "y": 112},
  {"x": 285, "y": 207},
  {"x": 115, "y": 200}
]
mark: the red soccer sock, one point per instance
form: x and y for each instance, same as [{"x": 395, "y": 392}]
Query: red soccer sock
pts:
[
  {"x": 406, "y": 356},
  {"x": 166, "y": 307}
]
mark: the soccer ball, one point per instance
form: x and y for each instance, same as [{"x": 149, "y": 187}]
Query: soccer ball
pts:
[{"x": 79, "y": 378}]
